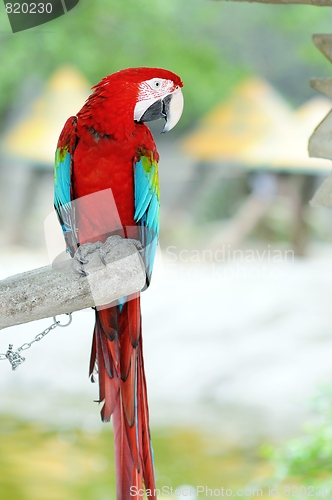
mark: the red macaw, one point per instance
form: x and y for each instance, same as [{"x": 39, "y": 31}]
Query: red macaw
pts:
[{"x": 108, "y": 146}]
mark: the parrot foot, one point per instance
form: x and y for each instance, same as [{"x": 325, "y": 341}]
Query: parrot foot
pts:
[
  {"x": 106, "y": 247},
  {"x": 80, "y": 257},
  {"x": 137, "y": 244},
  {"x": 105, "y": 250}
]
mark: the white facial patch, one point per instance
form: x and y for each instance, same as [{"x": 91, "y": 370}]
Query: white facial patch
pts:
[
  {"x": 155, "y": 88},
  {"x": 149, "y": 92}
]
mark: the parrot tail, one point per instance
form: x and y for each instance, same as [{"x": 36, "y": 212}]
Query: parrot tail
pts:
[{"x": 118, "y": 357}]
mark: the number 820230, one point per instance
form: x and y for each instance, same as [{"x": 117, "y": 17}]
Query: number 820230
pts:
[
  {"x": 307, "y": 491},
  {"x": 29, "y": 8}
]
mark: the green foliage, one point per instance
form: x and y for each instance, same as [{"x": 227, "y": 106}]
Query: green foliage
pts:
[
  {"x": 307, "y": 460},
  {"x": 212, "y": 45},
  {"x": 101, "y": 37},
  {"x": 39, "y": 462}
]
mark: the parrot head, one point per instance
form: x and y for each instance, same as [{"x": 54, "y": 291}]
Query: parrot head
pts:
[
  {"x": 143, "y": 95},
  {"x": 160, "y": 97}
]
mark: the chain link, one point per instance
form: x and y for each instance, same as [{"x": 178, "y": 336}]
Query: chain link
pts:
[{"x": 15, "y": 358}]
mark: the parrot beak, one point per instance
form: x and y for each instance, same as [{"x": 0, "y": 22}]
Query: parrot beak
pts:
[
  {"x": 173, "y": 107},
  {"x": 170, "y": 108}
]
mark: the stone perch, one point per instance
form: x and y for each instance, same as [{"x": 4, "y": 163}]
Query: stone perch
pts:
[{"x": 58, "y": 289}]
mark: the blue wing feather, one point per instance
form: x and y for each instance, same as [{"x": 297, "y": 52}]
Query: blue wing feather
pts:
[
  {"x": 63, "y": 186},
  {"x": 62, "y": 180},
  {"x": 147, "y": 205}
]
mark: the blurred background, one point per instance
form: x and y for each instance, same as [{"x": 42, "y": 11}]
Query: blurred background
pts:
[{"x": 237, "y": 323}]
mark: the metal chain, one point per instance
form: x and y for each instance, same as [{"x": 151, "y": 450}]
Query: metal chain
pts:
[{"x": 15, "y": 358}]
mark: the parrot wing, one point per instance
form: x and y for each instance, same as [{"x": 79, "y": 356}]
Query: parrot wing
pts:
[
  {"x": 63, "y": 183},
  {"x": 147, "y": 203}
]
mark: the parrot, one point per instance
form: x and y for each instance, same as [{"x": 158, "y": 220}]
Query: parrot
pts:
[{"x": 107, "y": 149}]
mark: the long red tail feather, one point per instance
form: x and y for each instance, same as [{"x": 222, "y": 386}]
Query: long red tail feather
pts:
[{"x": 118, "y": 357}]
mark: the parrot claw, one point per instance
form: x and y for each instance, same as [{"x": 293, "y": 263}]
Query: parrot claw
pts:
[
  {"x": 102, "y": 258},
  {"x": 137, "y": 244},
  {"x": 83, "y": 272},
  {"x": 80, "y": 257},
  {"x": 82, "y": 261},
  {"x": 106, "y": 248},
  {"x": 109, "y": 244}
]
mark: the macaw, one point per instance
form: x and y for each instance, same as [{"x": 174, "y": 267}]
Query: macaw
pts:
[{"x": 108, "y": 146}]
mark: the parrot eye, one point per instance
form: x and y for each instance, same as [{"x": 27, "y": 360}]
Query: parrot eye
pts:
[{"x": 157, "y": 84}]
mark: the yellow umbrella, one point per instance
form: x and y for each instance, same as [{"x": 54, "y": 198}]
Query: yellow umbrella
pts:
[
  {"x": 34, "y": 138},
  {"x": 253, "y": 111},
  {"x": 288, "y": 148}
]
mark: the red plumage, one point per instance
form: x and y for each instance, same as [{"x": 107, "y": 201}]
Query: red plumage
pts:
[{"x": 104, "y": 142}]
